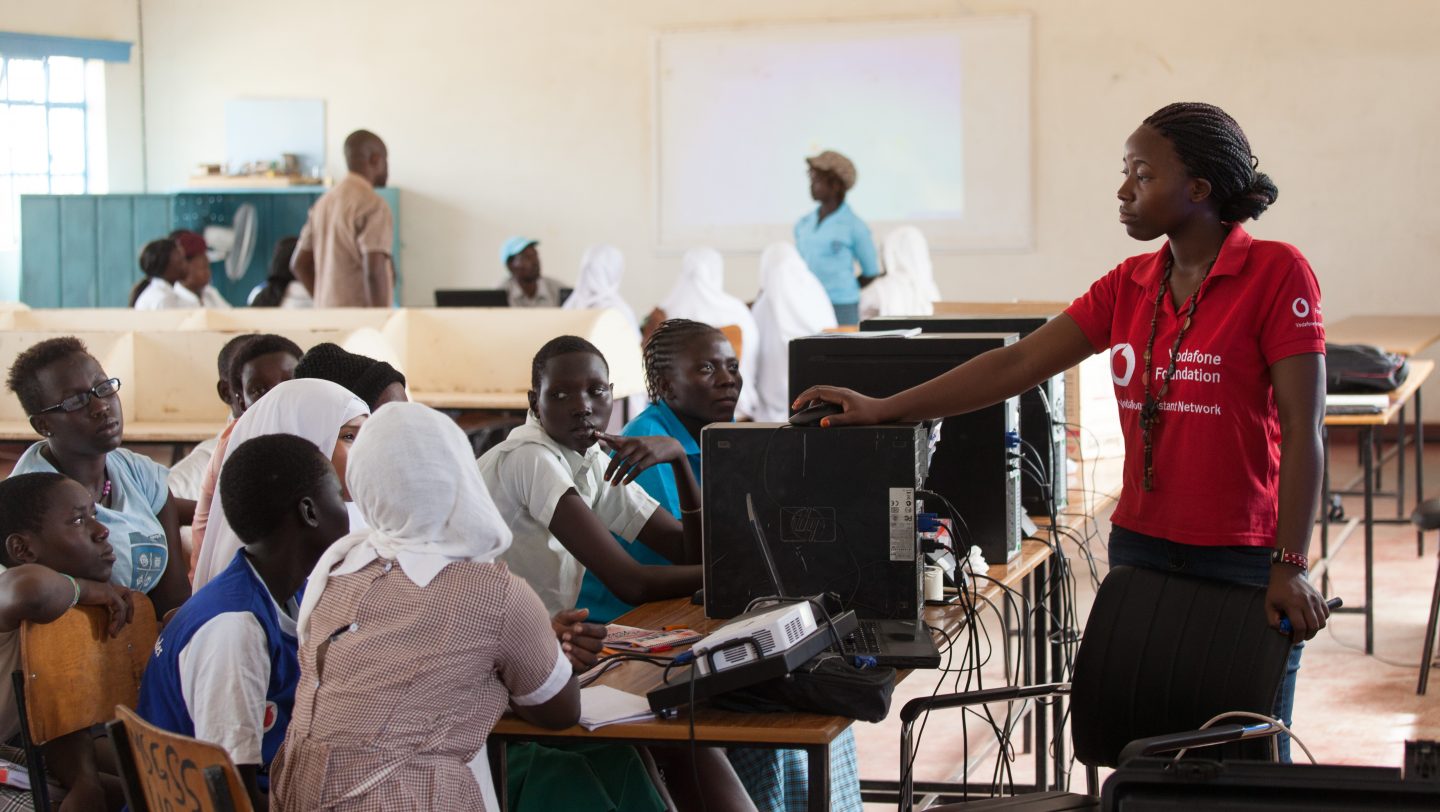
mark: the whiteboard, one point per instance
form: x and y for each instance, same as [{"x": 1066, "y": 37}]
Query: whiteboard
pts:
[{"x": 935, "y": 114}]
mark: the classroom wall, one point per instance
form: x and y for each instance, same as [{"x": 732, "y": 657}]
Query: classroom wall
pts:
[{"x": 536, "y": 117}]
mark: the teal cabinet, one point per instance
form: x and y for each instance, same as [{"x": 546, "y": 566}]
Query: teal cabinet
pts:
[{"x": 83, "y": 250}]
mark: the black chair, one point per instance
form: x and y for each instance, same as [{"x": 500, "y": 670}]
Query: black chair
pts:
[
  {"x": 1427, "y": 517},
  {"x": 1161, "y": 653}
]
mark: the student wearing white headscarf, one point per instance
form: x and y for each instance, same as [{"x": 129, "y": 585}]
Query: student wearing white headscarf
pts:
[
  {"x": 420, "y": 637},
  {"x": 792, "y": 303},
  {"x": 908, "y": 286},
  {"x": 322, "y": 412},
  {"x": 699, "y": 295},
  {"x": 601, "y": 269}
]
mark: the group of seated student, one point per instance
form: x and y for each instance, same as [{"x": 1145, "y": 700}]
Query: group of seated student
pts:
[
  {"x": 441, "y": 590},
  {"x": 176, "y": 275}
]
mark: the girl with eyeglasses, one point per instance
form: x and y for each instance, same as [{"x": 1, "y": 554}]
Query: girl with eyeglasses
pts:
[{"x": 75, "y": 407}]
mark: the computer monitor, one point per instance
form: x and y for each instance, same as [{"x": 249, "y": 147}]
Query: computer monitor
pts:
[
  {"x": 1042, "y": 409},
  {"x": 835, "y": 508},
  {"x": 973, "y": 466}
]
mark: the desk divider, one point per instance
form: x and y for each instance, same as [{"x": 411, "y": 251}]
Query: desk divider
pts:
[{"x": 464, "y": 357}]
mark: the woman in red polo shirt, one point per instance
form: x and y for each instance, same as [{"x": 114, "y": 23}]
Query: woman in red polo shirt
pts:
[{"x": 1217, "y": 354}]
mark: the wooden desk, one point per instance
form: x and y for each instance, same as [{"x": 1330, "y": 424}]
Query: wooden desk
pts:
[
  {"x": 173, "y": 433},
  {"x": 807, "y": 731},
  {"x": 1406, "y": 335},
  {"x": 1371, "y": 465}
]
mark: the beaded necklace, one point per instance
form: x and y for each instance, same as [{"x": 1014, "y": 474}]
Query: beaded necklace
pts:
[{"x": 1150, "y": 412}]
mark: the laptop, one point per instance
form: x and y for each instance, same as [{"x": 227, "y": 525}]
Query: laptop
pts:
[
  {"x": 475, "y": 297},
  {"x": 894, "y": 643}
]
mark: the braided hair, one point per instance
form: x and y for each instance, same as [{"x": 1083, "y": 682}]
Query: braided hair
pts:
[
  {"x": 664, "y": 345},
  {"x": 1212, "y": 146}
]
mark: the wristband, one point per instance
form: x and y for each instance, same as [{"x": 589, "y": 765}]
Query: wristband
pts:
[
  {"x": 1294, "y": 559},
  {"x": 75, "y": 600}
]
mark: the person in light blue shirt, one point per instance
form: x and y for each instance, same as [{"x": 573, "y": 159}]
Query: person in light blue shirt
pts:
[
  {"x": 75, "y": 408},
  {"x": 833, "y": 238}
]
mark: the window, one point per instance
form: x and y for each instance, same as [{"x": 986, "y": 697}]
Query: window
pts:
[{"x": 52, "y": 132}]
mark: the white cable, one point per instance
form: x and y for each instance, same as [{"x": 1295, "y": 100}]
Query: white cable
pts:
[{"x": 1274, "y": 745}]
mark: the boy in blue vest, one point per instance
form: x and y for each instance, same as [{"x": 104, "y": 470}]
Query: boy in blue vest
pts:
[{"x": 224, "y": 669}]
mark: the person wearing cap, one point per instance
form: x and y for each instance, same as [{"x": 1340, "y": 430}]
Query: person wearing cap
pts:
[
  {"x": 344, "y": 255},
  {"x": 375, "y": 382},
  {"x": 196, "y": 283},
  {"x": 832, "y": 239},
  {"x": 525, "y": 287}
]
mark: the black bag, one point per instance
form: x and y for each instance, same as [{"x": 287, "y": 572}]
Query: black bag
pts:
[
  {"x": 826, "y": 684},
  {"x": 1363, "y": 368}
]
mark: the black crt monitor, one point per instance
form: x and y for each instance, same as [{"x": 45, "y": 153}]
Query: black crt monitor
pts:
[
  {"x": 830, "y": 525},
  {"x": 1042, "y": 409},
  {"x": 975, "y": 466},
  {"x": 472, "y": 297}
]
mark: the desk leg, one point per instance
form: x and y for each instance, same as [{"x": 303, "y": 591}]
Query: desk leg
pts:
[
  {"x": 1040, "y": 624},
  {"x": 819, "y": 776},
  {"x": 1325, "y": 508},
  {"x": 1367, "y": 465},
  {"x": 1400, "y": 466},
  {"x": 1056, "y": 571},
  {"x": 1419, "y": 469}
]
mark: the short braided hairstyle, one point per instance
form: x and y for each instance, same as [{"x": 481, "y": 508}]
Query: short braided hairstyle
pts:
[
  {"x": 264, "y": 479},
  {"x": 24, "y": 378},
  {"x": 1213, "y": 147},
  {"x": 556, "y": 347},
  {"x": 664, "y": 345}
]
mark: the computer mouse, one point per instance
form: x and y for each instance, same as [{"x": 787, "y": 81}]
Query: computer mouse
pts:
[{"x": 812, "y": 415}]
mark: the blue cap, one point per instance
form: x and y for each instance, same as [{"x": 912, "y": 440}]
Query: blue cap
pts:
[{"x": 513, "y": 246}]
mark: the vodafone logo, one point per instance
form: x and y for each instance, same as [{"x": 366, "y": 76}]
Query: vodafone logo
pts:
[
  {"x": 1126, "y": 353},
  {"x": 1300, "y": 308},
  {"x": 272, "y": 714}
]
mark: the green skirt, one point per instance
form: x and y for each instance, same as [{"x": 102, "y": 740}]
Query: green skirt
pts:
[{"x": 580, "y": 777}]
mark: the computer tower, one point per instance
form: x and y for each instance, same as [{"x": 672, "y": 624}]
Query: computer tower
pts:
[
  {"x": 836, "y": 508},
  {"x": 1042, "y": 409},
  {"x": 973, "y": 466}
]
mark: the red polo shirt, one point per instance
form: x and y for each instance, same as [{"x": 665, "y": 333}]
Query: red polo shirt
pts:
[{"x": 1217, "y": 442}]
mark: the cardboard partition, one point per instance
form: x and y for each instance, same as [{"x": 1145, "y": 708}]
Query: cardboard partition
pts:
[
  {"x": 175, "y": 374},
  {"x": 283, "y": 322},
  {"x": 114, "y": 351},
  {"x": 97, "y": 319},
  {"x": 483, "y": 352}
]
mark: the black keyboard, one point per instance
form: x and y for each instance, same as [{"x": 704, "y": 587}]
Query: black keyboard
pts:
[{"x": 864, "y": 640}]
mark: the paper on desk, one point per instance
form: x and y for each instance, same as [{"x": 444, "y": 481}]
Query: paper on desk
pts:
[{"x": 601, "y": 705}]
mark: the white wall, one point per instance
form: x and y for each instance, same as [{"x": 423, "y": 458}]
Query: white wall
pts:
[{"x": 535, "y": 117}]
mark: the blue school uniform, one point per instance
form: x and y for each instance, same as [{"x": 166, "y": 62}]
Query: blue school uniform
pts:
[
  {"x": 659, "y": 481},
  {"x": 237, "y": 589}
]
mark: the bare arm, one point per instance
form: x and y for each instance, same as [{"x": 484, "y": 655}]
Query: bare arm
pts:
[
  {"x": 679, "y": 541},
  {"x": 174, "y": 586},
  {"x": 559, "y": 711},
  {"x": 379, "y": 281},
  {"x": 975, "y": 384},
  {"x": 185, "y": 511},
  {"x": 1299, "y": 383},
  {"x": 581, "y": 532},
  {"x": 39, "y": 594},
  {"x": 302, "y": 264}
]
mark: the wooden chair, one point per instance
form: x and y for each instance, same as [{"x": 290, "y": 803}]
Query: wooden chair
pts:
[
  {"x": 164, "y": 770},
  {"x": 732, "y": 332},
  {"x": 73, "y": 674}
]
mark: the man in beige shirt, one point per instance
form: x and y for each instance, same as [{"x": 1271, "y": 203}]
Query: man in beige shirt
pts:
[{"x": 343, "y": 257}]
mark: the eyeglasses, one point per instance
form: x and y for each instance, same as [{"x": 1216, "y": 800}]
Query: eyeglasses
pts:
[{"x": 75, "y": 403}]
